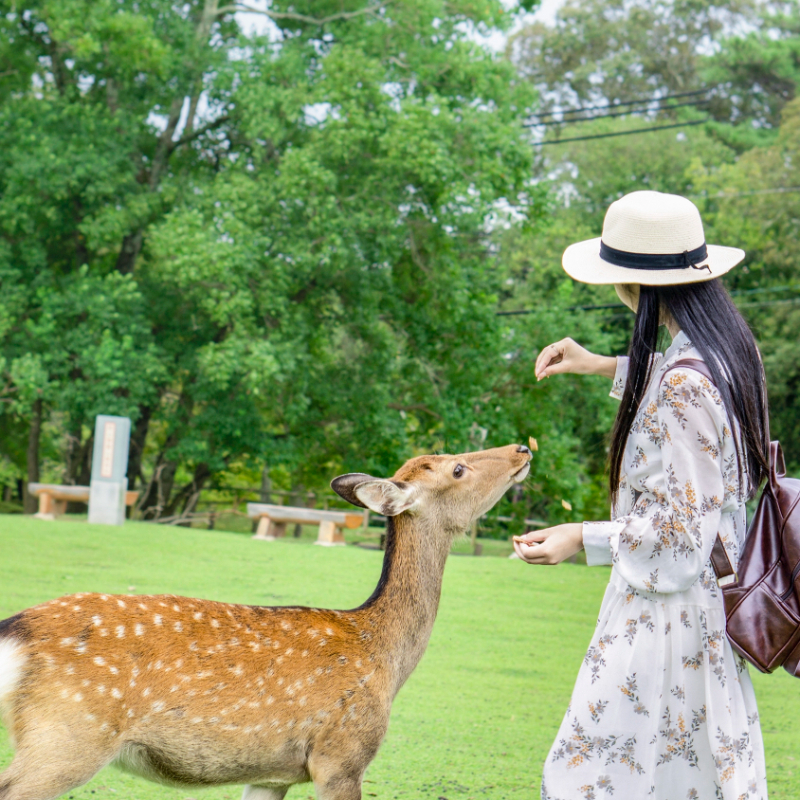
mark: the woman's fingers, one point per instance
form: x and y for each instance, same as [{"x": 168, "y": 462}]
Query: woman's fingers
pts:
[{"x": 548, "y": 359}]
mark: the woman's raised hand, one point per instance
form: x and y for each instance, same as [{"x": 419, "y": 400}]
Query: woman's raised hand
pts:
[{"x": 568, "y": 356}]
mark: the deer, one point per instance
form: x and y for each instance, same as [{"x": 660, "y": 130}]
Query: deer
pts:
[{"x": 191, "y": 692}]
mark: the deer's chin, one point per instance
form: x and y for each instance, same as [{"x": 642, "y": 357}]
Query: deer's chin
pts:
[{"x": 520, "y": 476}]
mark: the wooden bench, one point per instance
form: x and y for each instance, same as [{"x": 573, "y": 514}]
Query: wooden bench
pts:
[
  {"x": 272, "y": 521},
  {"x": 53, "y": 498}
]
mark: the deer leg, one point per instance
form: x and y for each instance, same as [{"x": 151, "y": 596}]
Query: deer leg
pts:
[
  {"x": 264, "y": 792},
  {"x": 44, "y": 775},
  {"x": 52, "y": 758},
  {"x": 339, "y": 789}
]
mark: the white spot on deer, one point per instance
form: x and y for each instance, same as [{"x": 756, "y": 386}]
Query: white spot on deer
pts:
[
  {"x": 322, "y": 642},
  {"x": 103, "y": 632},
  {"x": 197, "y": 720},
  {"x": 65, "y": 693},
  {"x": 81, "y": 648},
  {"x": 67, "y": 642},
  {"x": 113, "y": 670},
  {"x": 70, "y": 670},
  {"x": 173, "y": 688},
  {"x": 132, "y": 684},
  {"x": 77, "y": 697},
  {"x": 97, "y": 621},
  {"x": 146, "y": 692},
  {"x": 280, "y": 681},
  {"x": 139, "y": 629},
  {"x": 104, "y": 597},
  {"x": 215, "y": 623},
  {"x": 329, "y": 631},
  {"x": 135, "y": 672},
  {"x": 286, "y": 626},
  {"x": 198, "y": 615},
  {"x": 86, "y": 683},
  {"x": 157, "y": 619},
  {"x": 254, "y": 704},
  {"x": 76, "y": 608},
  {"x": 116, "y": 693},
  {"x": 302, "y": 701},
  {"x": 270, "y": 700},
  {"x": 62, "y": 603},
  {"x": 101, "y": 689},
  {"x": 130, "y": 712},
  {"x": 158, "y": 705},
  {"x": 120, "y": 603},
  {"x": 120, "y": 631},
  {"x": 178, "y": 626},
  {"x": 90, "y": 717},
  {"x": 159, "y": 665},
  {"x": 176, "y": 608},
  {"x": 179, "y": 663},
  {"x": 193, "y": 646},
  {"x": 104, "y": 726},
  {"x": 304, "y": 654},
  {"x": 289, "y": 651},
  {"x": 359, "y": 663}
]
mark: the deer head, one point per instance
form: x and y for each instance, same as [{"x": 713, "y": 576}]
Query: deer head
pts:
[{"x": 448, "y": 491}]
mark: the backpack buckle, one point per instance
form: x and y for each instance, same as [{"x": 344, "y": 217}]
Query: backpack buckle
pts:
[{"x": 725, "y": 580}]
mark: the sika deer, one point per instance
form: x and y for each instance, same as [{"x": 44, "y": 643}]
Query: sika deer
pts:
[{"x": 196, "y": 693}]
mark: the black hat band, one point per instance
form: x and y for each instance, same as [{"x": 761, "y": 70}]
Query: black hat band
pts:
[{"x": 688, "y": 258}]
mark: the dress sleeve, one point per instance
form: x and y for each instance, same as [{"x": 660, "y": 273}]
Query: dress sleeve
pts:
[
  {"x": 620, "y": 377},
  {"x": 665, "y": 542}
]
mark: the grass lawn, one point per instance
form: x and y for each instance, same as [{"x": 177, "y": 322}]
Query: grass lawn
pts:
[{"x": 477, "y": 717}]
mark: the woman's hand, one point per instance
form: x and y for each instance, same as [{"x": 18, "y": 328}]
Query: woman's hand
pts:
[
  {"x": 568, "y": 356},
  {"x": 551, "y": 545}
]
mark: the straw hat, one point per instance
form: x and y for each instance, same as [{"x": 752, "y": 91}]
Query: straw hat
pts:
[{"x": 653, "y": 239}]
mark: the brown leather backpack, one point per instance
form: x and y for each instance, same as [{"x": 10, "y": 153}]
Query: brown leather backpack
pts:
[{"x": 762, "y": 597}]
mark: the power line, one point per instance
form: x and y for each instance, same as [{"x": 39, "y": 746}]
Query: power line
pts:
[
  {"x": 626, "y": 103},
  {"x": 734, "y": 293},
  {"x": 608, "y": 116},
  {"x": 622, "y": 133}
]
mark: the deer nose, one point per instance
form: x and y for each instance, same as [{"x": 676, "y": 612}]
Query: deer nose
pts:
[{"x": 523, "y": 449}]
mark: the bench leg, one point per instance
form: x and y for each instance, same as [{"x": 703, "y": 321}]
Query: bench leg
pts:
[
  {"x": 269, "y": 530},
  {"x": 263, "y": 527},
  {"x": 330, "y": 534},
  {"x": 46, "y": 507}
]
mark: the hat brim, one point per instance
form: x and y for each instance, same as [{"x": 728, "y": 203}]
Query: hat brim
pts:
[{"x": 582, "y": 262}]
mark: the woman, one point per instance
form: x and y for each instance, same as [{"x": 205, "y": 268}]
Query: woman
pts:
[{"x": 662, "y": 707}]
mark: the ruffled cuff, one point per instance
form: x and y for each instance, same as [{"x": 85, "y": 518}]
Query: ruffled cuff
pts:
[
  {"x": 620, "y": 377},
  {"x": 597, "y": 541}
]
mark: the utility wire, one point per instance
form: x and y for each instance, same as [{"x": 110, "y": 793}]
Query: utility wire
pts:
[
  {"x": 621, "y": 133},
  {"x": 617, "y": 114},
  {"x": 735, "y": 293},
  {"x": 626, "y": 103}
]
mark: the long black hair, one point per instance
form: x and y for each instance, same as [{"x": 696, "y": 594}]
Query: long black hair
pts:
[{"x": 708, "y": 316}]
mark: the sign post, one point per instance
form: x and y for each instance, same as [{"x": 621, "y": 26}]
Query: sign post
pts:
[{"x": 112, "y": 436}]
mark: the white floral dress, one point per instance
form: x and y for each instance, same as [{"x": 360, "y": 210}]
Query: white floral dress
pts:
[{"x": 662, "y": 707}]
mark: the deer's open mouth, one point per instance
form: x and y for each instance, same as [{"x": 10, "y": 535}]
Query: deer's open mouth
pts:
[{"x": 520, "y": 476}]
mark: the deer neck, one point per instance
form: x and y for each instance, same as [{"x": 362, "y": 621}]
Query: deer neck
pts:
[{"x": 403, "y": 607}]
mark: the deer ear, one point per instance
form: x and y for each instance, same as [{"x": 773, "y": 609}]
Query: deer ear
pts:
[
  {"x": 389, "y": 498},
  {"x": 345, "y": 486}
]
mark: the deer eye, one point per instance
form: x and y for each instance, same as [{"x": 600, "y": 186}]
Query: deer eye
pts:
[{"x": 458, "y": 471}]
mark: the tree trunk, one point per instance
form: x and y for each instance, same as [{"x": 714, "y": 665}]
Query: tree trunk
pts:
[
  {"x": 32, "y": 456},
  {"x": 136, "y": 452},
  {"x": 188, "y": 495}
]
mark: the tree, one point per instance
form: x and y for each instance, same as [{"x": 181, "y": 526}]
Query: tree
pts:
[{"x": 294, "y": 228}]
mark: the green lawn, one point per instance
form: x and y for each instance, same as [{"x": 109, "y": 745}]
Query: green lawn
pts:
[{"x": 474, "y": 721}]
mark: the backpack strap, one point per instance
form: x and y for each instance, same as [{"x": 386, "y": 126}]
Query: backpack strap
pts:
[{"x": 719, "y": 556}]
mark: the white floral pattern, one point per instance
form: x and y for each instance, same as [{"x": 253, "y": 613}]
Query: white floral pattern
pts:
[{"x": 662, "y": 707}]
